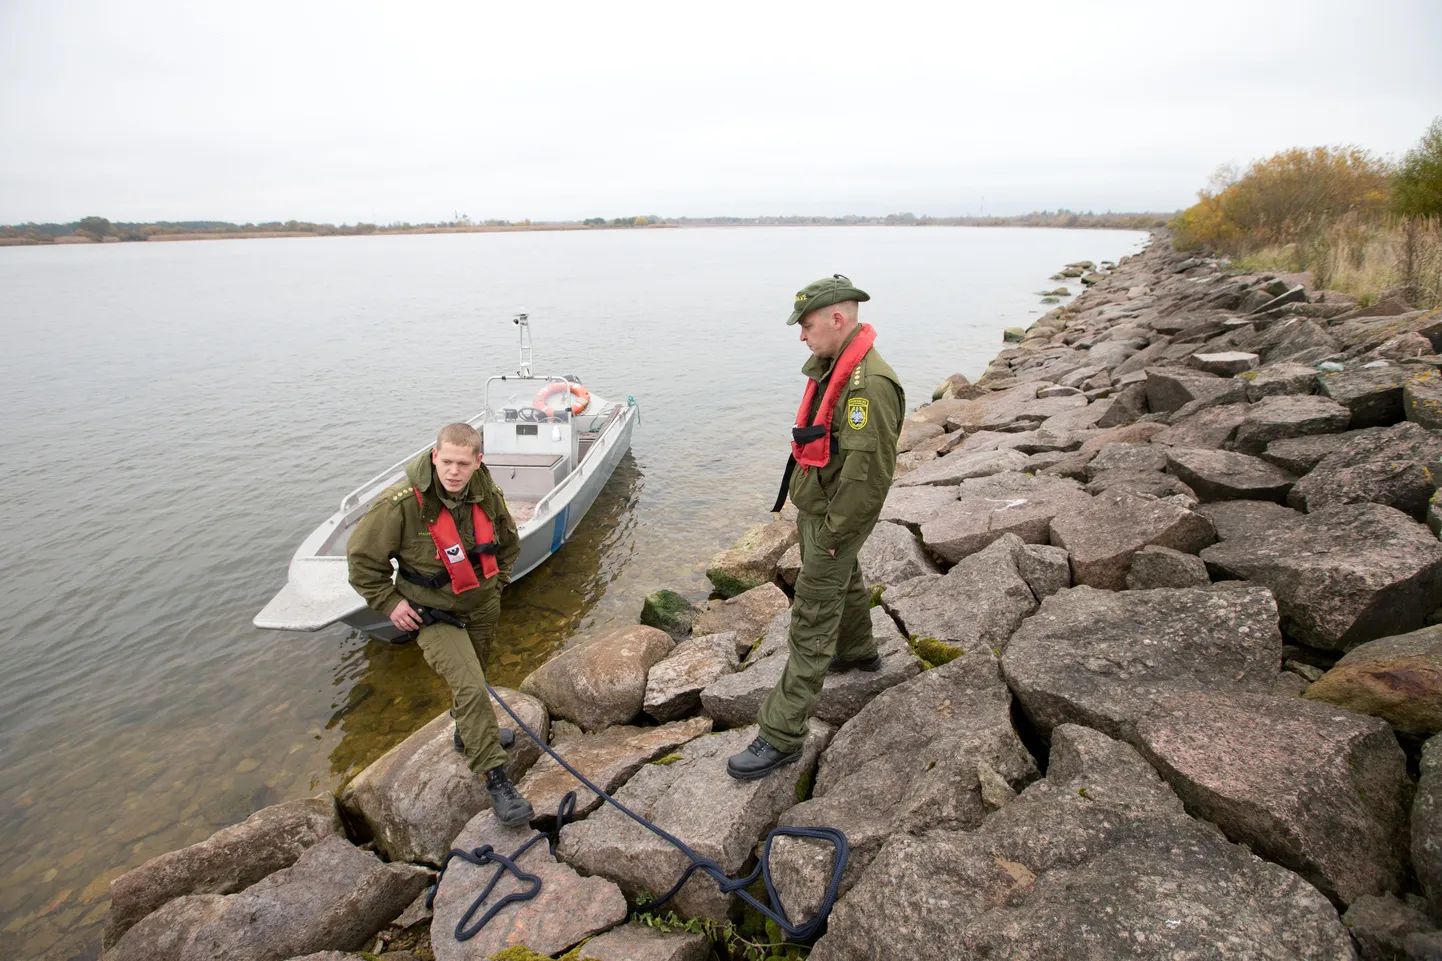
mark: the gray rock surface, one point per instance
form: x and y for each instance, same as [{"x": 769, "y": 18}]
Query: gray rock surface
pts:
[
  {"x": 1248, "y": 518},
  {"x": 1398, "y": 679},
  {"x": 670, "y": 612},
  {"x": 751, "y": 561},
  {"x": 568, "y": 908},
  {"x": 956, "y": 467},
  {"x": 1279, "y": 380},
  {"x": 1174, "y": 389},
  {"x": 694, "y": 798},
  {"x": 1298, "y": 455},
  {"x": 906, "y": 763},
  {"x": 674, "y": 684},
  {"x": 637, "y": 942},
  {"x": 414, "y": 798},
  {"x": 229, "y": 860},
  {"x": 1005, "y": 504},
  {"x": 1218, "y": 475},
  {"x": 1373, "y": 396},
  {"x": 1226, "y": 363},
  {"x": 1104, "y": 659},
  {"x": 1086, "y": 863},
  {"x": 892, "y": 554},
  {"x": 1210, "y": 429},
  {"x": 607, "y": 758},
  {"x": 600, "y": 679},
  {"x": 1102, "y": 539},
  {"x": 1394, "y": 465},
  {"x": 1342, "y": 575},
  {"x": 1422, "y": 400},
  {"x": 1380, "y": 924},
  {"x": 911, "y": 506},
  {"x": 1427, "y": 825},
  {"x": 1127, "y": 457},
  {"x": 1309, "y": 786},
  {"x": 1046, "y": 569},
  {"x": 163, "y": 934},
  {"x": 334, "y": 896},
  {"x": 1276, "y": 418},
  {"x": 1155, "y": 566},
  {"x": 734, "y": 699},
  {"x": 747, "y": 614},
  {"x": 978, "y": 603}
]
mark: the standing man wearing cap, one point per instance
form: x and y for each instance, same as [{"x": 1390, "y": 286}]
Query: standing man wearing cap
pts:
[{"x": 843, "y": 453}]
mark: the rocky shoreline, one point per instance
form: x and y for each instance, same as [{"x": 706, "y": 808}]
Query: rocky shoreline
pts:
[{"x": 1157, "y": 598}]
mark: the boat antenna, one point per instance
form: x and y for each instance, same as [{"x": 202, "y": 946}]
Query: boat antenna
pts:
[{"x": 523, "y": 322}]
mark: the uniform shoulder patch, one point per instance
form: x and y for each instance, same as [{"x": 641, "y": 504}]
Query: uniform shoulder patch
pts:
[{"x": 857, "y": 412}]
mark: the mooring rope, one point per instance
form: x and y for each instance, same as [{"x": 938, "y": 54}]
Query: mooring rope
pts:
[{"x": 565, "y": 811}]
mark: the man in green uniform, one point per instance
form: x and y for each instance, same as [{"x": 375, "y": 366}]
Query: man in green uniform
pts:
[
  {"x": 449, "y": 507},
  {"x": 844, "y": 448}
]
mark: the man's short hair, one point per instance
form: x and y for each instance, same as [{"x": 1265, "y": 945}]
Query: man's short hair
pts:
[{"x": 461, "y": 435}]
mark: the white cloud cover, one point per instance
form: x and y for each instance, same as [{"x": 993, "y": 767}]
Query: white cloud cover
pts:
[{"x": 344, "y": 111}]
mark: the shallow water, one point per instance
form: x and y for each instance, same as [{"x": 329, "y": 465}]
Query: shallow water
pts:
[{"x": 175, "y": 417}]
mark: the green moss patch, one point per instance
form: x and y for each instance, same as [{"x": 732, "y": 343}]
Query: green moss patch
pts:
[{"x": 935, "y": 653}]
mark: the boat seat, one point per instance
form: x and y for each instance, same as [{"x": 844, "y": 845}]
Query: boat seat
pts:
[{"x": 521, "y": 510}]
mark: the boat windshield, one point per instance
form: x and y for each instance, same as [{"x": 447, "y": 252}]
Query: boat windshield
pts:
[{"x": 528, "y": 400}]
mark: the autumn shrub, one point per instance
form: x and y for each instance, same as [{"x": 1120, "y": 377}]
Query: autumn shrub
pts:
[{"x": 1417, "y": 185}]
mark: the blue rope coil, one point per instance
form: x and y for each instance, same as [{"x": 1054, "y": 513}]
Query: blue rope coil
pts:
[{"x": 505, "y": 864}]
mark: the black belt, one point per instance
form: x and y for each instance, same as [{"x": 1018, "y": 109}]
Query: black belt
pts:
[{"x": 443, "y": 577}]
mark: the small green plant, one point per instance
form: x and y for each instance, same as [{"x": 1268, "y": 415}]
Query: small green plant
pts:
[
  {"x": 876, "y": 592},
  {"x": 935, "y": 653},
  {"x": 729, "y": 941},
  {"x": 668, "y": 759}
]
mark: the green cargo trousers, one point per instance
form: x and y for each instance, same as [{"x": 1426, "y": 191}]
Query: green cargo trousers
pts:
[
  {"x": 459, "y": 656},
  {"x": 830, "y": 617}
]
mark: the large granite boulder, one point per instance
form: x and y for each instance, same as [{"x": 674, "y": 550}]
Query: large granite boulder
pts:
[
  {"x": 674, "y": 685},
  {"x": 911, "y": 506},
  {"x": 734, "y": 699},
  {"x": 1210, "y": 429},
  {"x": 1173, "y": 389},
  {"x": 1342, "y": 575},
  {"x": 600, "y": 679},
  {"x": 1427, "y": 825},
  {"x": 638, "y": 942},
  {"x": 978, "y": 603},
  {"x": 568, "y": 909},
  {"x": 230, "y": 860},
  {"x": 693, "y": 798},
  {"x": 1126, "y": 457},
  {"x": 958, "y": 466},
  {"x": 1097, "y": 861},
  {"x": 607, "y": 758},
  {"x": 1247, "y": 518},
  {"x": 1280, "y": 379},
  {"x": 892, "y": 554},
  {"x": 746, "y": 614},
  {"x": 1422, "y": 399},
  {"x": 1381, "y": 924},
  {"x": 752, "y": 560},
  {"x": 989, "y": 508},
  {"x": 1298, "y": 455},
  {"x": 1277, "y": 418},
  {"x": 1117, "y": 524},
  {"x": 1394, "y": 465},
  {"x": 414, "y": 798},
  {"x": 1374, "y": 396},
  {"x": 1309, "y": 786},
  {"x": 907, "y": 762},
  {"x": 1398, "y": 679},
  {"x": 1046, "y": 569},
  {"x": 334, "y": 897},
  {"x": 1017, "y": 408},
  {"x": 1218, "y": 475},
  {"x": 1104, "y": 659}
]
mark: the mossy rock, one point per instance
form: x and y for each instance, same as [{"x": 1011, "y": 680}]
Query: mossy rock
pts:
[
  {"x": 934, "y": 652},
  {"x": 669, "y": 612},
  {"x": 1013, "y": 335},
  {"x": 728, "y": 585},
  {"x": 1050, "y": 300}
]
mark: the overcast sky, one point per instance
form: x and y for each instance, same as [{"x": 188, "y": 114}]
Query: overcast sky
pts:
[{"x": 346, "y": 111}]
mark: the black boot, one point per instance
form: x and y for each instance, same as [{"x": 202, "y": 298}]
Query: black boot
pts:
[
  {"x": 510, "y": 808},
  {"x": 840, "y": 665},
  {"x": 758, "y": 760}
]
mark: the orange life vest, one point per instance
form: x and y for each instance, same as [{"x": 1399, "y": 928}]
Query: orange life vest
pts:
[
  {"x": 450, "y": 552},
  {"x": 811, "y": 444}
]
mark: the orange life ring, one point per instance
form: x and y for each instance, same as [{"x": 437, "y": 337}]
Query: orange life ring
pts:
[{"x": 583, "y": 396}]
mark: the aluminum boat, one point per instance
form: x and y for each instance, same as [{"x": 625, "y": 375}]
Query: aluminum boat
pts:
[{"x": 550, "y": 445}]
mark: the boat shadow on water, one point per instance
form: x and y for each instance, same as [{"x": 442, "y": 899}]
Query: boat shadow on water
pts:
[{"x": 386, "y": 692}]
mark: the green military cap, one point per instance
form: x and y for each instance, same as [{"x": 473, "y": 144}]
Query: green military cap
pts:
[{"x": 824, "y": 293}]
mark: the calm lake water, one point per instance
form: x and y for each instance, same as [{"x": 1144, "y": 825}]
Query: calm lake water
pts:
[{"x": 174, "y": 417}]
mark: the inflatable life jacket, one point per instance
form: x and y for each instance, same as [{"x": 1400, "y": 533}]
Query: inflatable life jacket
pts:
[
  {"x": 811, "y": 444},
  {"x": 450, "y": 552}
]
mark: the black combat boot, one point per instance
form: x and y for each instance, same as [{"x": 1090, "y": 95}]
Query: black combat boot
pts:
[
  {"x": 510, "y": 808},
  {"x": 840, "y": 665},
  {"x": 758, "y": 760}
]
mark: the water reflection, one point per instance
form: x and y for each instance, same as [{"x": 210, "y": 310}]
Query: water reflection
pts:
[{"x": 385, "y": 692}]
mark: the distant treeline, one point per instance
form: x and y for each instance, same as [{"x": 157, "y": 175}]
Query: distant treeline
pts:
[{"x": 101, "y": 230}]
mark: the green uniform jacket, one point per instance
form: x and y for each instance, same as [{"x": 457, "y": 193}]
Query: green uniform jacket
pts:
[
  {"x": 848, "y": 492},
  {"x": 396, "y": 527}
]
